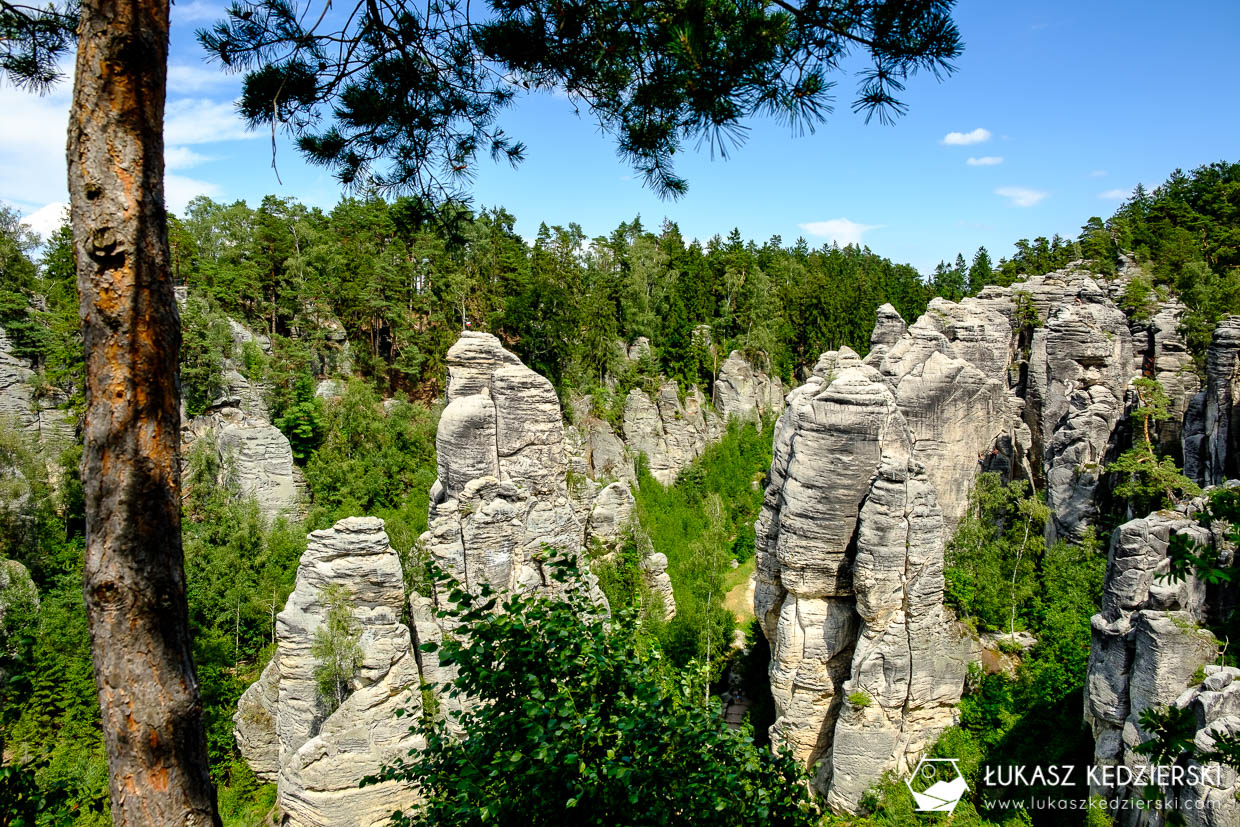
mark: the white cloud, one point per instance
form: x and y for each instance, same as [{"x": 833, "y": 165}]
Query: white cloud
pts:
[
  {"x": 977, "y": 136},
  {"x": 178, "y": 190},
  {"x": 185, "y": 79},
  {"x": 202, "y": 121},
  {"x": 32, "y": 145},
  {"x": 47, "y": 219},
  {"x": 985, "y": 161},
  {"x": 182, "y": 157},
  {"x": 1115, "y": 195},
  {"x": 1021, "y": 196},
  {"x": 840, "y": 230},
  {"x": 1098, "y": 173}
]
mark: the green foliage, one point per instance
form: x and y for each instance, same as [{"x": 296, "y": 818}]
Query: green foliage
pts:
[
  {"x": 39, "y": 308},
  {"x": 239, "y": 570},
  {"x": 1207, "y": 563},
  {"x": 1144, "y": 479},
  {"x": 576, "y": 717},
  {"x": 374, "y": 458},
  {"x": 301, "y": 419},
  {"x": 653, "y": 77},
  {"x": 1001, "y": 575},
  {"x": 1026, "y": 316},
  {"x": 861, "y": 700},
  {"x": 619, "y": 573},
  {"x": 206, "y": 341},
  {"x": 1171, "y": 730},
  {"x": 36, "y": 40},
  {"x": 993, "y": 560},
  {"x": 336, "y": 649},
  {"x": 1138, "y": 299},
  {"x": 19, "y": 278},
  {"x": 696, "y": 523},
  {"x": 245, "y": 801}
]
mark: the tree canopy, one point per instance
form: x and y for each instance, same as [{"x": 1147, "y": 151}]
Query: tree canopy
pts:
[{"x": 403, "y": 97}]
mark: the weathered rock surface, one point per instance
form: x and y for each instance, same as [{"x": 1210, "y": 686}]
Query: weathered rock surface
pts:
[
  {"x": 744, "y": 393},
  {"x": 671, "y": 433},
  {"x": 37, "y": 414},
  {"x": 254, "y": 455},
  {"x": 1162, "y": 354},
  {"x": 287, "y": 730},
  {"x": 1212, "y": 429},
  {"x": 1149, "y": 646},
  {"x": 874, "y": 461},
  {"x": 1079, "y": 366},
  {"x": 849, "y": 586},
  {"x": 502, "y": 492},
  {"x": 657, "y": 580},
  {"x": 948, "y": 372},
  {"x": 612, "y": 514}
]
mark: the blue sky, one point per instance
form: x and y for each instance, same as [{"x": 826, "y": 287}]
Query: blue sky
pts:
[{"x": 1058, "y": 109}]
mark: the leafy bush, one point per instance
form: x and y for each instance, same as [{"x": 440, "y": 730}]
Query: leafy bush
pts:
[
  {"x": 577, "y": 722},
  {"x": 861, "y": 700}
]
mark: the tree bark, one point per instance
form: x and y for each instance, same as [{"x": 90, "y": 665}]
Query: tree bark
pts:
[{"x": 135, "y": 579}]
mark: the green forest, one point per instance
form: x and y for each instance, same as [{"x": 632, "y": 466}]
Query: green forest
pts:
[{"x": 375, "y": 292}]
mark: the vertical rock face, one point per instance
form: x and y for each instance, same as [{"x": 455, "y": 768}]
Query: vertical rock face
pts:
[
  {"x": 254, "y": 455},
  {"x": 907, "y": 660},
  {"x": 32, "y": 412},
  {"x": 1212, "y": 429},
  {"x": 285, "y": 728},
  {"x": 744, "y": 393},
  {"x": 1149, "y": 649},
  {"x": 1080, "y": 364},
  {"x": 849, "y": 584},
  {"x": 1164, "y": 355},
  {"x": 671, "y": 433},
  {"x": 657, "y": 580},
  {"x": 612, "y": 513},
  {"x": 873, "y": 465},
  {"x": 502, "y": 491},
  {"x": 948, "y": 373}
]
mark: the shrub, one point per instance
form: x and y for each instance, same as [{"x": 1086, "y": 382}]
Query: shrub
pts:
[{"x": 598, "y": 734}]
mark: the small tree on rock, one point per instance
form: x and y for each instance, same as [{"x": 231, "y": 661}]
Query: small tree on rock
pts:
[
  {"x": 337, "y": 649},
  {"x": 1147, "y": 480}
]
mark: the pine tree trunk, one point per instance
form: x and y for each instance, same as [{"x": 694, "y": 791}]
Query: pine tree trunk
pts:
[{"x": 135, "y": 581}]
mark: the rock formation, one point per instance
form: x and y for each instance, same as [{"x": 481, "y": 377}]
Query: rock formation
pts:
[
  {"x": 657, "y": 580},
  {"x": 254, "y": 455},
  {"x": 1150, "y": 649},
  {"x": 287, "y": 730},
  {"x": 1074, "y": 373},
  {"x": 849, "y": 586},
  {"x": 1212, "y": 428},
  {"x": 1162, "y": 354},
  {"x": 502, "y": 493},
  {"x": 948, "y": 373},
  {"x": 671, "y": 433},
  {"x": 37, "y": 413},
  {"x": 612, "y": 514},
  {"x": 874, "y": 461},
  {"x": 744, "y": 393}
]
